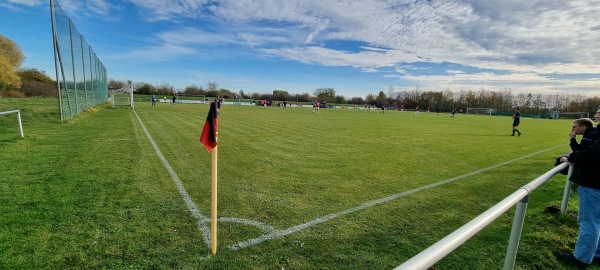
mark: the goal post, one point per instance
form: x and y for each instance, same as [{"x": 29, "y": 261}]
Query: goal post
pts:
[
  {"x": 487, "y": 111},
  {"x": 569, "y": 115},
  {"x": 18, "y": 112}
]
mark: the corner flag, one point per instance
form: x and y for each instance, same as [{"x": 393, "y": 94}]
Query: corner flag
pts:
[
  {"x": 209, "y": 139},
  {"x": 211, "y": 128}
]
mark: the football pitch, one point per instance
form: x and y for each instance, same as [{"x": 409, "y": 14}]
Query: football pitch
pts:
[{"x": 339, "y": 189}]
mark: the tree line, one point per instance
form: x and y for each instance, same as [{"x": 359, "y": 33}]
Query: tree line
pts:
[
  {"x": 501, "y": 101},
  {"x": 22, "y": 82}
]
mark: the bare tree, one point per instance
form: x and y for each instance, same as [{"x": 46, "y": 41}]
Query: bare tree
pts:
[{"x": 325, "y": 94}]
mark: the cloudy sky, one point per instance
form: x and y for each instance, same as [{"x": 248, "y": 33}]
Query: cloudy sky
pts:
[{"x": 357, "y": 47}]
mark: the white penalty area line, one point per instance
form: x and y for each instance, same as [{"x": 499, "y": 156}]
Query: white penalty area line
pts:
[{"x": 319, "y": 220}]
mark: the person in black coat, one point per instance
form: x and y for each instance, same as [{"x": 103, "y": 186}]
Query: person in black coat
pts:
[{"x": 585, "y": 159}]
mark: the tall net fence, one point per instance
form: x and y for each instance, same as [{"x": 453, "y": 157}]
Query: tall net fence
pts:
[{"x": 81, "y": 76}]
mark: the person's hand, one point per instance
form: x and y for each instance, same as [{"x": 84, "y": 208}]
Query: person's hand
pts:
[
  {"x": 564, "y": 159},
  {"x": 572, "y": 134}
]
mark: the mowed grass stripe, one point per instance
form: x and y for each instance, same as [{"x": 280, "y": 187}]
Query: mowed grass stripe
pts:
[
  {"x": 324, "y": 157},
  {"x": 122, "y": 210},
  {"x": 83, "y": 197}
]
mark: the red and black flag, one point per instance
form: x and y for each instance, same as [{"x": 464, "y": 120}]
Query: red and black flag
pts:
[{"x": 211, "y": 128}]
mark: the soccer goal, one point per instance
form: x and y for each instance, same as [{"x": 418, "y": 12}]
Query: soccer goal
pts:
[
  {"x": 569, "y": 115},
  {"x": 121, "y": 97},
  {"x": 18, "y": 112},
  {"x": 487, "y": 111},
  {"x": 189, "y": 98},
  {"x": 243, "y": 102}
]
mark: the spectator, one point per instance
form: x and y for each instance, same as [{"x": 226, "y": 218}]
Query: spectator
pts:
[{"x": 587, "y": 248}]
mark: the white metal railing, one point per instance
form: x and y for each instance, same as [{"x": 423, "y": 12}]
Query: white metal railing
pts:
[
  {"x": 18, "y": 112},
  {"x": 443, "y": 247},
  {"x": 566, "y": 192}
]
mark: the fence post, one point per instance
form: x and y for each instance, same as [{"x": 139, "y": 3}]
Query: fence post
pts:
[
  {"x": 566, "y": 192},
  {"x": 77, "y": 110},
  {"x": 515, "y": 234}
]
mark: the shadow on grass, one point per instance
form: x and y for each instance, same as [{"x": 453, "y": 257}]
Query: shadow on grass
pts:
[{"x": 555, "y": 209}]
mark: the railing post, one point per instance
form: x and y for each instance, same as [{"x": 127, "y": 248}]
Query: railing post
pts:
[
  {"x": 566, "y": 192},
  {"x": 440, "y": 249},
  {"x": 20, "y": 124},
  {"x": 515, "y": 234}
]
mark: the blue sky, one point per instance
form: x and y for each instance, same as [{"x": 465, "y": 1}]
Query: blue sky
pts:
[{"x": 358, "y": 47}]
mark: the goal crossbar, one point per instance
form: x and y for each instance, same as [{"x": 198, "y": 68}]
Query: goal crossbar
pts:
[{"x": 569, "y": 115}]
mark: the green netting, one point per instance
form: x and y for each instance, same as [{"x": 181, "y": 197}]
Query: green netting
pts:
[{"x": 82, "y": 76}]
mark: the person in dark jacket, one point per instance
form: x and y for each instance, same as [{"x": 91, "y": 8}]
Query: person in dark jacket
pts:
[
  {"x": 585, "y": 162},
  {"x": 516, "y": 120},
  {"x": 585, "y": 127},
  {"x": 582, "y": 126}
]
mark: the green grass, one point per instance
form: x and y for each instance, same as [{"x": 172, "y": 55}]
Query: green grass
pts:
[{"x": 92, "y": 193}]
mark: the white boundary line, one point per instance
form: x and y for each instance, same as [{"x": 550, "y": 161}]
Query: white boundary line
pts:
[
  {"x": 202, "y": 220},
  {"x": 272, "y": 232},
  {"x": 319, "y": 220}
]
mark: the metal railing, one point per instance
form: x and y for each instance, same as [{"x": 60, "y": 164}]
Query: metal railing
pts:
[
  {"x": 18, "y": 112},
  {"x": 443, "y": 247}
]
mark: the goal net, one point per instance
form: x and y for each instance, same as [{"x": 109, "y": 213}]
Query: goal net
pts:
[
  {"x": 487, "y": 111},
  {"x": 188, "y": 98},
  {"x": 120, "y": 97},
  {"x": 202, "y": 99},
  {"x": 569, "y": 115},
  {"x": 246, "y": 102}
]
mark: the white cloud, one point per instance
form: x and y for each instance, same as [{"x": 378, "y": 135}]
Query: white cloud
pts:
[
  {"x": 531, "y": 81},
  {"x": 17, "y": 5},
  {"x": 154, "y": 53},
  {"x": 499, "y": 35},
  {"x": 328, "y": 57},
  {"x": 521, "y": 40},
  {"x": 30, "y": 3},
  {"x": 165, "y": 10},
  {"x": 89, "y": 8},
  {"x": 171, "y": 44},
  {"x": 188, "y": 35},
  {"x": 100, "y": 7}
]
